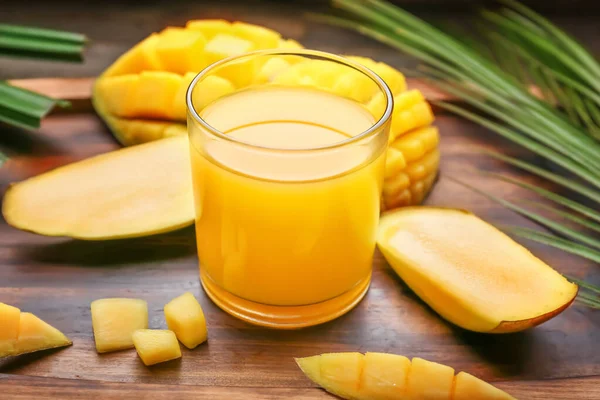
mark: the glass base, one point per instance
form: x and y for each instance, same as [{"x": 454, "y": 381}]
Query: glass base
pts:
[{"x": 284, "y": 317}]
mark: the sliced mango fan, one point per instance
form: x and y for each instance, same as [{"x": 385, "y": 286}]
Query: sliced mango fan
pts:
[{"x": 537, "y": 87}]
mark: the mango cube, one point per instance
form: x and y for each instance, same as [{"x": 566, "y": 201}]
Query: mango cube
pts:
[
  {"x": 210, "y": 27},
  {"x": 210, "y": 89},
  {"x": 222, "y": 46},
  {"x": 36, "y": 335},
  {"x": 270, "y": 69},
  {"x": 429, "y": 380},
  {"x": 142, "y": 57},
  {"x": 155, "y": 94},
  {"x": 9, "y": 328},
  {"x": 155, "y": 345},
  {"x": 114, "y": 321},
  {"x": 384, "y": 376},
  {"x": 181, "y": 50},
  {"x": 179, "y": 107},
  {"x": 263, "y": 38},
  {"x": 185, "y": 317},
  {"x": 119, "y": 94}
]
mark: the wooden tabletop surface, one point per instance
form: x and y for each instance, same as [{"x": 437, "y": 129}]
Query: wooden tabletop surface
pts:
[{"x": 57, "y": 278}]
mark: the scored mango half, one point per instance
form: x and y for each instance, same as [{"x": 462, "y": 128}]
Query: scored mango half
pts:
[{"x": 141, "y": 96}]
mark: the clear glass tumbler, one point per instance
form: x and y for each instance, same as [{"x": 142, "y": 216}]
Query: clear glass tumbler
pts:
[{"x": 288, "y": 152}]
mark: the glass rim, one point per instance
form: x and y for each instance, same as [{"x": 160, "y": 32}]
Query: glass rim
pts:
[{"x": 374, "y": 128}]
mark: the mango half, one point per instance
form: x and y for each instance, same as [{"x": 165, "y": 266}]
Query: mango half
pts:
[
  {"x": 469, "y": 272},
  {"x": 141, "y": 96}
]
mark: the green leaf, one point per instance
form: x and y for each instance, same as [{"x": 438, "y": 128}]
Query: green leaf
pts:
[
  {"x": 573, "y": 205},
  {"x": 25, "y": 108},
  {"x": 42, "y": 34},
  {"x": 555, "y": 226},
  {"x": 563, "y": 244},
  {"x": 568, "y": 183}
]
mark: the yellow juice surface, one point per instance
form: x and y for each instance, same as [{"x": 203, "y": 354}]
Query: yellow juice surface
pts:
[{"x": 286, "y": 228}]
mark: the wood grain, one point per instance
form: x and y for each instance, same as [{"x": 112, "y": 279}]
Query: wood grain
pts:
[{"x": 57, "y": 278}]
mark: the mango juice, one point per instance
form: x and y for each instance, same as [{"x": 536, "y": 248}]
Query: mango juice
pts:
[{"x": 278, "y": 223}]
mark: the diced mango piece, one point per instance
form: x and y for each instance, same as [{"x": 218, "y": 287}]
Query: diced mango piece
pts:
[
  {"x": 155, "y": 94},
  {"x": 429, "y": 381},
  {"x": 223, "y": 46},
  {"x": 155, "y": 345},
  {"x": 394, "y": 163},
  {"x": 424, "y": 166},
  {"x": 355, "y": 85},
  {"x": 179, "y": 107},
  {"x": 468, "y": 387},
  {"x": 270, "y": 69},
  {"x": 411, "y": 111},
  {"x": 384, "y": 376},
  {"x": 118, "y": 94},
  {"x": 415, "y": 144},
  {"x": 210, "y": 27},
  {"x": 263, "y": 38},
  {"x": 9, "y": 328},
  {"x": 114, "y": 321},
  {"x": 241, "y": 72},
  {"x": 210, "y": 89},
  {"x": 142, "y": 57},
  {"x": 36, "y": 335},
  {"x": 185, "y": 317},
  {"x": 394, "y": 79},
  {"x": 181, "y": 50},
  {"x": 396, "y": 184},
  {"x": 377, "y": 105}
]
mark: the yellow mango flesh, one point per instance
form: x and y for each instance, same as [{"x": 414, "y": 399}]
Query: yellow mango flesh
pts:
[
  {"x": 469, "y": 272},
  {"x": 9, "y": 328},
  {"x": 115, "y": 320},
  {"x": 181, "y": 50},
  {"x": 131, "y": 192},
  {"x": 185, "y": 318},
  {"x": 122, "y": 90},
  {"x": 412, "y": 169},
  {"x": 380, "y": 376},
  {"x": 384, "y": 376},
  {"x": 262, "y": 37},
  {"x": 429, "y": 381},
  {"x": 155, "y": 94},
  {"x": 209, "y": 27},
  {"x": 468, "y": 387},
  {"x": 36, "y": 335},
  {"x": 155, "y": 346}
]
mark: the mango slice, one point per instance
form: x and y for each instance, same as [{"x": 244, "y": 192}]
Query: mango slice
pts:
[
  {"x": 469, "y": 272},
  {"x": 155, "y": 346},
  {"x": 36, "y": 335},
  {"x": 115, "y": 320},
  {"x": 22, "y": 332},
  {"x": 379, "y": 376},
  {"x": 9, "y": 328},
  {"x": 130, "y": 192},
  {"x": 185, "y": 317}
]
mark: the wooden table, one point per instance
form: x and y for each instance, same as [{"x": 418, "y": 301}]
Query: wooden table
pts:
[{"x": 57, "y": 278}]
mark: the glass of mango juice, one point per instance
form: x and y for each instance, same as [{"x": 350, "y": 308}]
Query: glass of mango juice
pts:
[{"x": 288, "y": 154}]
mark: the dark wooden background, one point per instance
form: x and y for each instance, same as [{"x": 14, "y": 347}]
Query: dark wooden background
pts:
[{"x": 57, "y": 278}]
